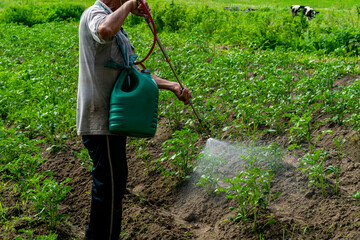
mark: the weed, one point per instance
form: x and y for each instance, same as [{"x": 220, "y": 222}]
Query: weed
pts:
[
  {"x": 356, "y": 197},
  {"x": 305, "y": 229},
  {"x": 335, "y": 170},
  {"x": 2, "y": 213},
  {"x": 30, "y": 235},
  {"x": 84, "y": 157},
  {"x": 339, "y": 143},
  {"x": 140, "y": 149},
  {"x": 124, "y": 235}
]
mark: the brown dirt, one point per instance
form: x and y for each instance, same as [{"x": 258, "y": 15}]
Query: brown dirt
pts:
[{"x": 153, "y": 211}]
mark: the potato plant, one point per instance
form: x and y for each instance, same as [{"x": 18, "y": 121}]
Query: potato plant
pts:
[
  {"x": 251, "y": 191},
  {"x": 313, "y": 165},
  {"x": 178, "y": 158},
  {"x": 47, "y": 197},
  {"x": 208, "y": 167}
]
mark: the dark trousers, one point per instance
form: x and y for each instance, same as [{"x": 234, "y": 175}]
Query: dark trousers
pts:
[{"x": 109, "y": 183}]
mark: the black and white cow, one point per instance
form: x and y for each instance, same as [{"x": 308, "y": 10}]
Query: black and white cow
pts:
[
  {"x": 309, "y": 13},
  {"x": 295, "y": 10}
]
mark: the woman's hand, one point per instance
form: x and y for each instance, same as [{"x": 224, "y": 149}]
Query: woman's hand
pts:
[{"x": 139, "y": 9}]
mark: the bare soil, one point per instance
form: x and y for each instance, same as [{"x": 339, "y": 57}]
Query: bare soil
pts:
[{"x": 153, "y": 211}]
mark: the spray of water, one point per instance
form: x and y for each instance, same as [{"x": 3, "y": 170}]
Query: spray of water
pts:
[{"x": 221, "y": 159}]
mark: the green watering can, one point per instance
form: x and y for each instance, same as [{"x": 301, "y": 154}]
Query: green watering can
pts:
[{"x": 134, "y": 104}]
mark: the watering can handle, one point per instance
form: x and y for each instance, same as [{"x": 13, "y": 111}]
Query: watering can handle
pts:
[{"x": 155, "y": 35}]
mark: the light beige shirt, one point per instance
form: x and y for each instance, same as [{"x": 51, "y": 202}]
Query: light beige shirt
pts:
[{"x": 96, "y": 81}]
